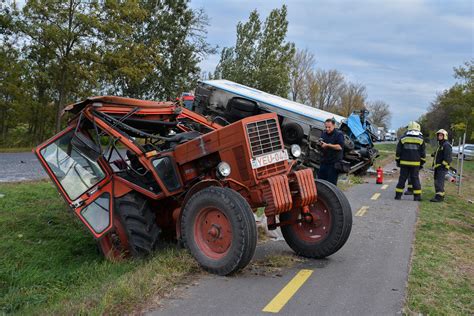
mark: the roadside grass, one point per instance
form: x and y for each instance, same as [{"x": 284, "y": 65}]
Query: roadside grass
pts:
[
  {"x": 441, "y": 280},
  {"x": 15, "y": 149},
  {"x": 386, "y": 154},
  {"x": 49, "y": 263}
]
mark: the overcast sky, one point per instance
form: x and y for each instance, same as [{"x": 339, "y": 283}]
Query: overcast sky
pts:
[{"x": 402, "y": 51}]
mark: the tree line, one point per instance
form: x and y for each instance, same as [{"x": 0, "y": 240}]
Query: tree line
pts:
[
  {"x": 54, "y": 53},
  {"x": 263, "y": 59},
  {"x": 453, "y": 109}
]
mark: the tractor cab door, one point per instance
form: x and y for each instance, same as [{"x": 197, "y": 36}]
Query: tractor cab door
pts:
[{"x": 72, "y": 160}]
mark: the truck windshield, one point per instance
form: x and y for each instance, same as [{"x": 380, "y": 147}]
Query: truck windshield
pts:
[{"x": 73, "y": 170}]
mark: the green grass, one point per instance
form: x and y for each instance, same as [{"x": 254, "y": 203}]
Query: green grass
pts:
[
  {"x": 386, "y": 154},
  {"x": 15, "y": 149},
  {"x": 49, "y": 263},
  {"x": 441, "y": 280}
]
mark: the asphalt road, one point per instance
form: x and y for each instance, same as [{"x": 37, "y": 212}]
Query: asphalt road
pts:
[
  {"x": 366, "y": 277},
  {"x": 20, "y": 167}
]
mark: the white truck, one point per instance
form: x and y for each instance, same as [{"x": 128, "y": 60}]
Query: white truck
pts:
[{"x": 301, "y": 125}]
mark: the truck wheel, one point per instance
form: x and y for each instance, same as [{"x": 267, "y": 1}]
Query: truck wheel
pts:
[
  {"x": 241, "y": 104},
  {"x": 292, "y": 133},
  {"x": 135, "y": 232},
  {"x": 218, "y": 228},
  {"x": 328, "y": 229}
]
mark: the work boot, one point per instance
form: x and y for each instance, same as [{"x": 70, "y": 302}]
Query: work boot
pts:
[
  {"x": 437, "y": 198},
  {"x": 417, "y": 197},
  {"x": 408, "y": 192},
  {"x": 398, "y": 196}
]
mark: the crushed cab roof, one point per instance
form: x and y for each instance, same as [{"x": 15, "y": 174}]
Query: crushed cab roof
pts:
[{"x": 120, "y": 101}]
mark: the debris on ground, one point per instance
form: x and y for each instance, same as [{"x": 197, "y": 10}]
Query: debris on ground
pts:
[{"x": 261, "y": 221}]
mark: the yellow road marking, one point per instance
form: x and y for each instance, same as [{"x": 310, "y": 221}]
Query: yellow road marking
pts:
[
  {"x": 375, "y": 196},
  {"x": 362, "y": 211},
  {"x": 279, "y": 301},
  {"x": 384, "y": 186}
]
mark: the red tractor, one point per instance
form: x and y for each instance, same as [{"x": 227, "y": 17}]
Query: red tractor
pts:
[{"x": 134, "y": 170}]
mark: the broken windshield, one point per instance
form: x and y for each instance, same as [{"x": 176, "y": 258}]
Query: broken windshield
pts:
[{"x": 73, "y": 170}]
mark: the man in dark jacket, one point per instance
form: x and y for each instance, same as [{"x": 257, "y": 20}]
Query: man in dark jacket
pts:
[
  {"x": 410, "y": 157},
  {"x": 332, "y": 145},
  {"x": 441, "y": 161}
]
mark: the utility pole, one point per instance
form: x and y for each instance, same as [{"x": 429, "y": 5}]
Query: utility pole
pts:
[{"x": 462, "y": 163}]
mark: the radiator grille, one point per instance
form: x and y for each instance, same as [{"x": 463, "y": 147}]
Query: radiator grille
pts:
[{"x": 264, "y": 137}]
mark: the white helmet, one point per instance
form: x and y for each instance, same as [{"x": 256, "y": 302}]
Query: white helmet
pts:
[{"x": 444, "y": 132}]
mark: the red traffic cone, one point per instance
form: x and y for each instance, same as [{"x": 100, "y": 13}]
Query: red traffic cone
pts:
[{"x": 379, "y": 175}]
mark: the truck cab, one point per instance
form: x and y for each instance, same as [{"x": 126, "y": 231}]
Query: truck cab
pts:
[{"x": 300, "y": 124}]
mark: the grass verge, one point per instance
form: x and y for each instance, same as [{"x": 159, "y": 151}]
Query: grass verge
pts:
[
  {"x": 386, "y": 154},
  {"x": 15, "y": 149},
  {"x": 441, "y": 280},
  {"x": 49, "y": 263}
]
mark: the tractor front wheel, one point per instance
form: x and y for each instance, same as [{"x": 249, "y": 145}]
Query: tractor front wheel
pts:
[
  {"x": 134, "y": 233},
  {"x": 324, "y": 229},
  {"x": 218, "y": 228}
]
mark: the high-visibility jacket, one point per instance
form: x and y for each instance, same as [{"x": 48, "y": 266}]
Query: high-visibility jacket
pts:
[
  {"x": 442, "y": 156},
  {"x": 411, "y": 150}
]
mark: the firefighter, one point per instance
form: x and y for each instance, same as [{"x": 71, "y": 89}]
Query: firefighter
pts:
[
  {"x": 410, "y": 157},
  {"x": 409, "y": 190},
  {"x": 441, "y": 161}
]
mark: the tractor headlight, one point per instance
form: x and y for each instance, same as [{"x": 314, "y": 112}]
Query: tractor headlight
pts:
[
  {"x": 295, "y": 150},
  {"x": 223, "y": 169}
]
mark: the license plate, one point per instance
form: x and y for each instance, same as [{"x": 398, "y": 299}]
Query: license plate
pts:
[{"x": 268, "y": 159}]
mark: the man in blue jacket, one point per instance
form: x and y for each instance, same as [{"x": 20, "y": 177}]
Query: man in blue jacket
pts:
[{"x": 332, "y": 145}]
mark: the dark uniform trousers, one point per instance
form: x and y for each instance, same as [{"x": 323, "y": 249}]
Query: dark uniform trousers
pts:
[
  {"x": 411, "y": 173},
  {"x": 439, "y": 176}
]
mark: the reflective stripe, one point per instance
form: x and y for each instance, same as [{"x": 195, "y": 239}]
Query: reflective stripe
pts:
[
  {"x": 423, "y": 159},
  {"x": 410, "y": 186},
  {"x": 445, "y": 163},
  {"x": 416, "y": 191},
  {"x": 440, "y": 193},
  {"x": 413, "y": 140},
  {"x": 436, "y": 166},
  {"x": 409, "y": 163},
  {"x": 398, "y": 190},
  {"x": 434, "y": 159}
]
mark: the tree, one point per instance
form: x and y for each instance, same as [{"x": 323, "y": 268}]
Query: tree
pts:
[
  {"x": 324, "y": 89},
  {"x": 62, "y": 32},
  {"x": 353, "y": 96},
  {"x": 453, "y": 109},
  {"x": 261, "y": 58},
  {"x": 301, "y": 66},
  {"x": 379, "y": 113}
]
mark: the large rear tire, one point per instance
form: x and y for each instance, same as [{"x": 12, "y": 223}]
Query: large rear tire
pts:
[
  {"x": 330, "y": 226},
  {"x": 135, "y": 232},
  {"x": 218, "y": 228}
]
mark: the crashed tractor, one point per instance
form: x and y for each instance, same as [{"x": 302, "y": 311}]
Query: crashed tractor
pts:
[{"x": 134, "y": 170}]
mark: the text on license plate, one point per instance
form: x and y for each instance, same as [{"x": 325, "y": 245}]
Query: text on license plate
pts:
[{"x": 268, "y": 159}]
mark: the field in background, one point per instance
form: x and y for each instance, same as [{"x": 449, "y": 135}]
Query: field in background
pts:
[{"x": 386, "y": 154}]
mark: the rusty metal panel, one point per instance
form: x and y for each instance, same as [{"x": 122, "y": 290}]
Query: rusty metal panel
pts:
[
  {"x": 277, "y": 195},
  {"x": 302, "y": 181}
]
